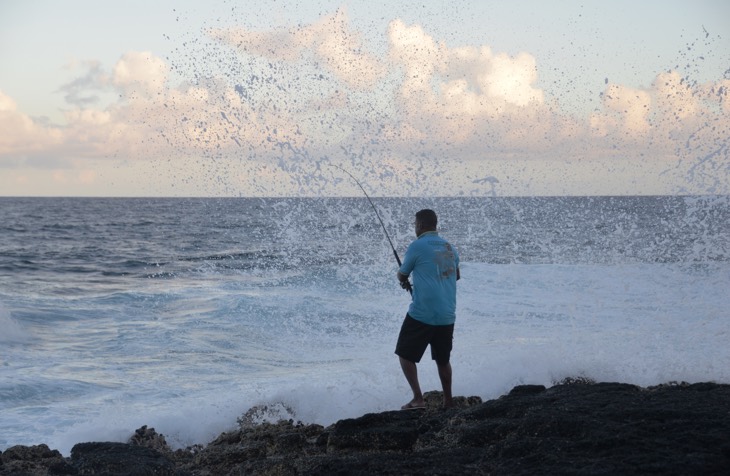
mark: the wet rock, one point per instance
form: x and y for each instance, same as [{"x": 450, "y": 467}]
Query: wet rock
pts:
[
  {"x": 265, "y": 414},
  {"x": 120, "y": 459},
  {"x": 575, "y": 427},
  {"x": 32, "y": 460},
  {"x": 259, "y": 449},
  {"x": 149, "y": 438},
  {"x": 388, "y": 431}
]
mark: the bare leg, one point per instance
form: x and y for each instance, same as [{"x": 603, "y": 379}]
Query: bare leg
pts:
[
  {"x": 445, "y": 376},
  {"x": 411, "y": 372}
]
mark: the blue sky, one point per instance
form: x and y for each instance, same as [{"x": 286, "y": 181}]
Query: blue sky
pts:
[{"x": 257, "y": 98}]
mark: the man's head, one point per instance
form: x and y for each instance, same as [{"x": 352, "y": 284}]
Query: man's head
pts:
[{"x": 426, "y": 220}]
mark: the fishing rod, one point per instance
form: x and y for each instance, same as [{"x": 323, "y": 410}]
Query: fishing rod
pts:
[{"x": 406, "y": 284}]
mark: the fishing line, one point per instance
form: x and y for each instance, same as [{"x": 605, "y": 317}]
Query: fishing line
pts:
[{"x": 407, "y": 284}]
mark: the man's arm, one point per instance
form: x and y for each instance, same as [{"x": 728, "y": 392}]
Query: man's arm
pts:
[
  {"x": 403, "y": 278},
  {"x": 458, "y": 273}
]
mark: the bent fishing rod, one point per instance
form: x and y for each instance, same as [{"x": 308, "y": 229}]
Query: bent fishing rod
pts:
[{"x": 406, "y": 284}]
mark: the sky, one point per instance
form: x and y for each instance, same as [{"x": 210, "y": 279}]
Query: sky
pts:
[{"x": 415, "y": 98}]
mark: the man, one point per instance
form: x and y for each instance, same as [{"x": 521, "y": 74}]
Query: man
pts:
[{"x": 434, "y": 264}]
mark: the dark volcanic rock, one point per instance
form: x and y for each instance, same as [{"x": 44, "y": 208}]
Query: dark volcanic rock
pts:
[
  {"x": 575, "y": 428},
  {"x": 389, "y": 431},
  {"x": 119, "y": 459},
  {"x": 149, "y": 438},
  {"x": 33, "y": 460}
]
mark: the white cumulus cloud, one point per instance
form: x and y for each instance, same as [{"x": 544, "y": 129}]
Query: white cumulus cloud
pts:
[
  {"x": 331, "y": 42},
  {"x": 285, "y": 100}
]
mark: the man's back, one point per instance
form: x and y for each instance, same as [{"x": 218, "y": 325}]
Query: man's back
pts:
[{"x": 433, "y": 262}]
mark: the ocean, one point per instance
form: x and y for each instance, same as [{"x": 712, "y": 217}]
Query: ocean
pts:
[{"x": 183, "y": 314}]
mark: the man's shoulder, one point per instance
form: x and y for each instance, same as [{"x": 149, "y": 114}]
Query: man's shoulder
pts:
[{"x": 435, "y": 238}]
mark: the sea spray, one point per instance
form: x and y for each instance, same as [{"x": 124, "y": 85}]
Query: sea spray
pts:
[{"x": 187, "y": 313}]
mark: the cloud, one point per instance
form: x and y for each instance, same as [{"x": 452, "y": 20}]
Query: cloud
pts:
[
  {"x": 469, "y": 77},
  {"x": 83, "y": 91},
  {"x": 419, "y": 56},
  {"x": 329, "y": 42},
  {"x": 512, "y": 79},
  {"x": 21, "y": 134},
  {"x": 140, "y": 73},
  {"x": 675, "y": 97},
  {"x": 467, "y": 95},
  {"x": 282, "y": 103},
  {"x": 625, "y": 110},
  {"x": 664, "y": 119}
]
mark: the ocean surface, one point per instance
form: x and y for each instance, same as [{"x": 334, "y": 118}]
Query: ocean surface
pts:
[{"x": 182, "y": 314}]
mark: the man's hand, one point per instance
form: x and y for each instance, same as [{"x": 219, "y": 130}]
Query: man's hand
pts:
[{"x": 404, "y": 283}]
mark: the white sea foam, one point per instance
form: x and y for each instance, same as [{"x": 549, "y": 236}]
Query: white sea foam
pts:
[
  {"x": 311, "y": 325},
  {"x": 517, "y": 324}
]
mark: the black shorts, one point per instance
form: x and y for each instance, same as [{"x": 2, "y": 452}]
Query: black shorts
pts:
[{"x": 415, "y": 336}]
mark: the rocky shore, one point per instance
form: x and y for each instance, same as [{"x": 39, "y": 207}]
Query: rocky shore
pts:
[{"x": 576, "y": 427}]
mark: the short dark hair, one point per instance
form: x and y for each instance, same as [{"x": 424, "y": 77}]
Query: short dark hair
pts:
[{"x": 427, "y": 218}]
